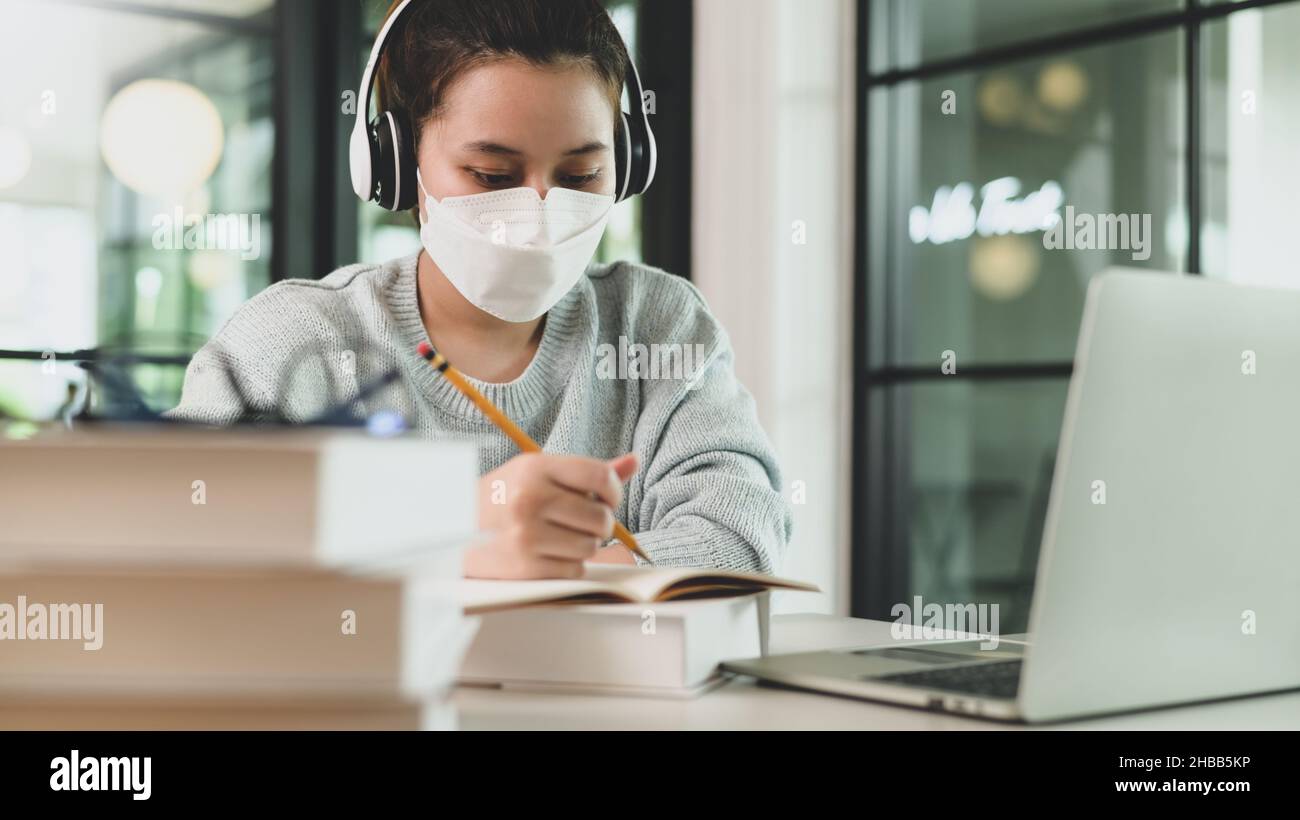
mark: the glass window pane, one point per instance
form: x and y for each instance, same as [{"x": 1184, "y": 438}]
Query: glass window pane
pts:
[
  {"x": 975, "y": 475},
  {"x": 981, "y": 163},
  {"x": 1250, "y": 119},
  {"x": 915, "y": 32},
  {"x": 135, "y": 168}
]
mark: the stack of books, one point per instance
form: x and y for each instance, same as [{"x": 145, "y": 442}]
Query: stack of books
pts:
[{"x": 184, "y": 578}]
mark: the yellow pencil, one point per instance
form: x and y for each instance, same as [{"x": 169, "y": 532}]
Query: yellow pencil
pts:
[{"x": 518, "y": 436}]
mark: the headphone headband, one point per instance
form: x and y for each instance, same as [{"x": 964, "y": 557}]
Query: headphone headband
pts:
[
  {"x": 360, "y": 154},
  {"x": 382, "y": 155}
]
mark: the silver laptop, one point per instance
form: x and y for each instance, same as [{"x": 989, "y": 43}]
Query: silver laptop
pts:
[{"x": 1184, "y": 585}]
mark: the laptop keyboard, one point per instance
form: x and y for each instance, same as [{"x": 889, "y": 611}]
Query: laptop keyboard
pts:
[{"x": 995, "y": 679}]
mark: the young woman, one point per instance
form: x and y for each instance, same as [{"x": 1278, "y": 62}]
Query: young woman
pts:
[{"x": 514, "y": 109}]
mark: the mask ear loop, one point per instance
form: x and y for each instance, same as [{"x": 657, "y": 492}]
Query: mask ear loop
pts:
[{"x": 420, "y": 181}]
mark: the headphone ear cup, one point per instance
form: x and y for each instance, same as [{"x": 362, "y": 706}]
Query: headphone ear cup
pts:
[
  {"x": 636, "y": 144},
  {"x": 394, "y": 167},
  {"x": 407, "y": 194},
  {"x": 635, "y": 157},
  {"x": 382, "y": 181},
  {"x": 622, "y": 159}
]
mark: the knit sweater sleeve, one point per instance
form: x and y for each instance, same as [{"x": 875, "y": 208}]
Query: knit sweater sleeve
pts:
[
  {"x": 712, "y": 488},
  {"x": 222, "y": 385},
  {"x": 269, "y": 360},
  {"x": 710, "y": 493}
]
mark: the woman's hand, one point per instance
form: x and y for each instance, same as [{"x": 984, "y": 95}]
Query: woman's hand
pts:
[
  {"x": 615, "y": 553},
  {"x": 545, "y": 515}
]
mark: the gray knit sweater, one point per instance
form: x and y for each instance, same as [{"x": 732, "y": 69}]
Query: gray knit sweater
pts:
[{"x": 630, "y": 360}]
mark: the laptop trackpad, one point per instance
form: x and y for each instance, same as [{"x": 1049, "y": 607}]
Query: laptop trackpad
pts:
[{"x": 890, "y": 659}]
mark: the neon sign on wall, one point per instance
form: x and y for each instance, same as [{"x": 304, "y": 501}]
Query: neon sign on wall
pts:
[{"x": 953, "y": 215}]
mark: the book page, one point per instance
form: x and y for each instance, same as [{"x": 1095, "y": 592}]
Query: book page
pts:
[
  {"x": 483, "y": 595},
  {"x": 614, "y": 582},
  {"x": 659, "y": 583}
]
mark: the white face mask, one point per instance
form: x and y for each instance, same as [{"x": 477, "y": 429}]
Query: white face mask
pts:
[{"x": 512, "y": 253}]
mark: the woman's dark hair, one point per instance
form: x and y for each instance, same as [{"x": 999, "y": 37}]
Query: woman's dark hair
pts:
[{"x": 439, "y": 39}]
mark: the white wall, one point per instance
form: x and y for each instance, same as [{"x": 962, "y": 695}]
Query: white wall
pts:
[
  {"x": 773, "y": 150},
  {"x": 1263, "y": 176}
]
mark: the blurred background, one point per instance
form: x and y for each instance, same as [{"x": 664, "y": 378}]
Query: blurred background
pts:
[{"x": 841, "y": 178}]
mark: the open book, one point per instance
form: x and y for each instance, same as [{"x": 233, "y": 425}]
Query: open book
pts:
[{"x": 612, "y": 583}]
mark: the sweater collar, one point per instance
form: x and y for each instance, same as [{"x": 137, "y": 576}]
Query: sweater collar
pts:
[{"x": 568, "y": 332}]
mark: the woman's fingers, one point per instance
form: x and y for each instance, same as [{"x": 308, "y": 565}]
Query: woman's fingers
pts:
[
  {"x": 624, "y": 466},
  {"x": 491, "y": 561},
  {"x": 549, "y": 513},
  {"x": 581, "y": 513},
  {"x": 554, "y": 541},
  {"x": 586, "y": 476}
]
